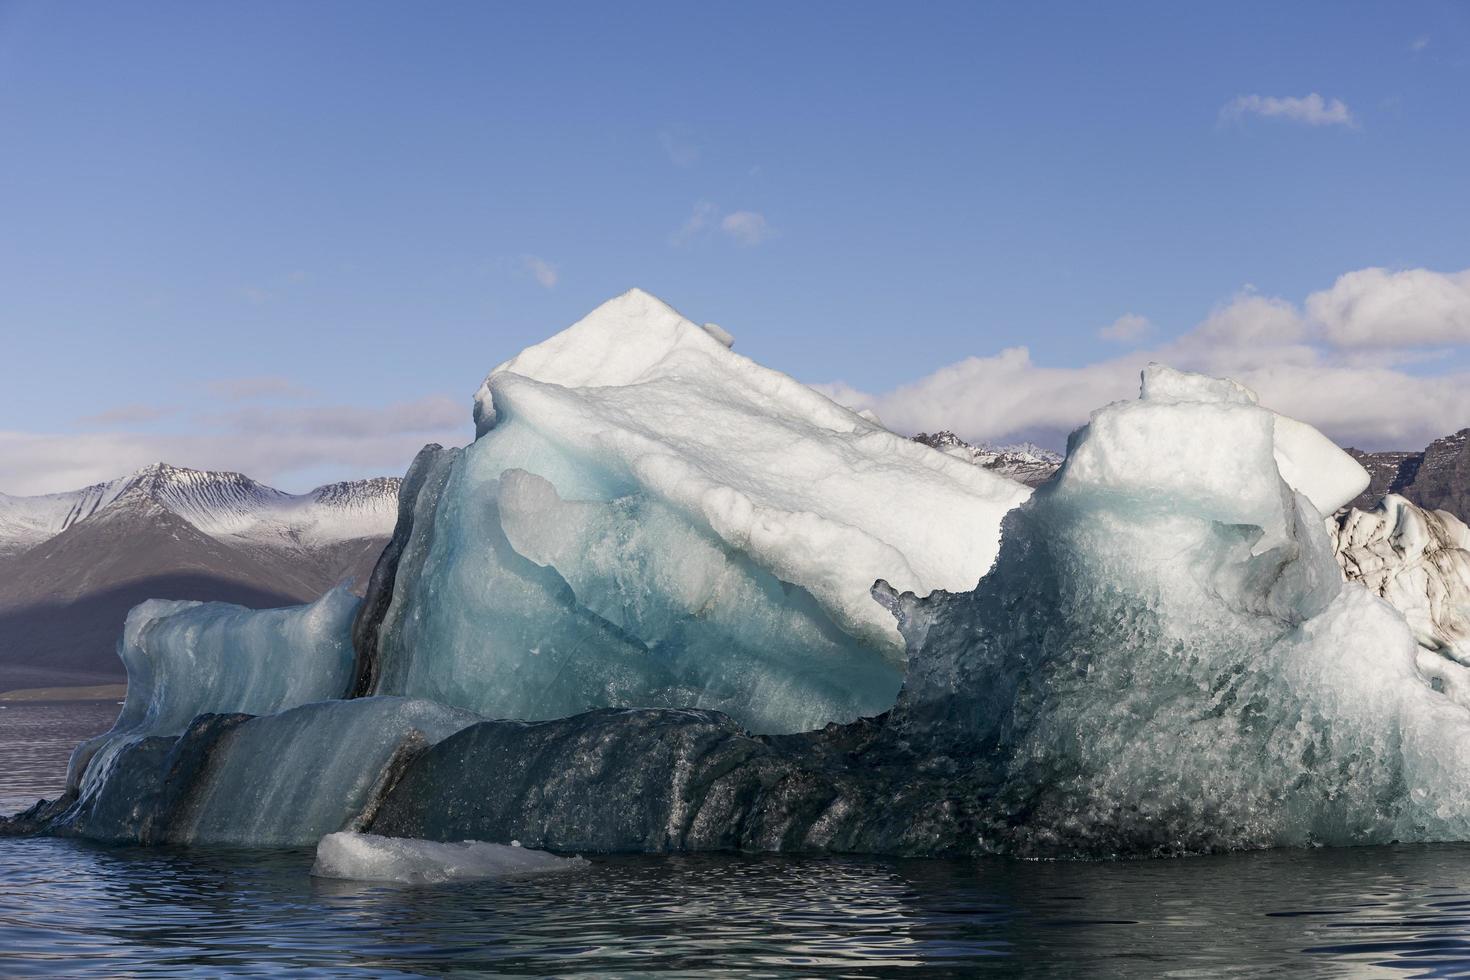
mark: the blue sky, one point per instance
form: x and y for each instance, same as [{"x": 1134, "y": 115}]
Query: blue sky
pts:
[{"x": 291, "y": 238}]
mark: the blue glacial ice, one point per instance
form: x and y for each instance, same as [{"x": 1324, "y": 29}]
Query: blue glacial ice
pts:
[
  {"x": 1165, "y": 656},
  {"x": 649, "y": 519},
  {"x": 278, "y": 780},
  {"x": 186, "y": 659}
]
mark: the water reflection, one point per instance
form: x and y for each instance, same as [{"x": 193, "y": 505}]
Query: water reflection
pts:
[
  {"x": 70, "y": 908},
  {"x": 36, "y": 740}
]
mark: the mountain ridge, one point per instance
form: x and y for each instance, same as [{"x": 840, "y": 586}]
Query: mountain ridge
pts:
[
  {"x": 77, "y": 562},
  {"x": 217, "y": 502}
]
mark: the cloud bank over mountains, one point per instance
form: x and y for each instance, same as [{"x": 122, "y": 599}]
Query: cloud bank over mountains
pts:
[
  {"x": 307, "y": 444},
  {"x": 1338, "y": 360},
  {"x": 1371, "y": 360}
]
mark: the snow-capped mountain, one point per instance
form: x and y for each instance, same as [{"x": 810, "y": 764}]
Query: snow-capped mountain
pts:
[
  {"x": 72, "y": 564},
  {"x": 220, "y": 504},
  {"x": 1025, "y": 463}
]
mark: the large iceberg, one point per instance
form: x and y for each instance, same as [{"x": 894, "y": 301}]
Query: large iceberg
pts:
[
  {"x": 1160, "y": 657},
  {"x": 649, "y": 519}
]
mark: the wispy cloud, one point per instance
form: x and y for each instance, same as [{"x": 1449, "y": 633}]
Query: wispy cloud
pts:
[
  {"x": 700, "y": 220},
  {"x": 541, "y": 270},
  {"x": 681, "y": 151},
  {"x": 1127, "y": 329},
  {"x": 1419, "y": 43},
  {"x": 1335, "y": 360},
  {"x": 1310, "y": 110},
  {"x": 128, "y": 415},
  {"x": 268, "y": 444},
  {"x": 746, "y": 228}
]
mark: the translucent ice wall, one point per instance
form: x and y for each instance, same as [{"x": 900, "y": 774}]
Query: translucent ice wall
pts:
[
  {"x": 190, "y": 658},
  {"x": 287, "y": 779},
  {"x": 650, "y": 519},
  {"x": 1165, "y": 658},
  {"x": 281, "y": 780}
]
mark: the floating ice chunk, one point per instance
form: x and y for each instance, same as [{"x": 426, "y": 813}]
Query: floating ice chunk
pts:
[
  {"x": 704, "y": 532},
  {"x": 367, "y": 857},
  {"x": 190, "y": 658}
]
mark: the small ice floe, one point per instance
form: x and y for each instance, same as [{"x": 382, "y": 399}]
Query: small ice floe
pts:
[{"x": 368, "y": 857}]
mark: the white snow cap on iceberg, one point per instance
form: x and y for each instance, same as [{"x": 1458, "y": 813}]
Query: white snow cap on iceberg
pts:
[
  {"x": 1310, "y": 463},
  {"x": 368, "y": 857},
  {"x": 814, "y": 493},
  {"x": 1198, "y": 453}
]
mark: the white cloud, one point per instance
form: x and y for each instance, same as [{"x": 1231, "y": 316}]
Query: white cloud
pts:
[
  {"x": 1252, "y": 319},
  {"x": 1127, "y": 329},
  {"x": 1312, "y": 110},
  {"x": 746, "y": 227},
  {"x": 1419, "y": 43},
  {"x": 1382, "y": 308},
  {"x": 1289, "y": 355},
  {"x": 268, "y": 444},
  {"x": 743, "y": 227},
  {"x": 541, "y": 270},
  {"x": 128, "y": 415},
  {"x": 700, "y": 220}
]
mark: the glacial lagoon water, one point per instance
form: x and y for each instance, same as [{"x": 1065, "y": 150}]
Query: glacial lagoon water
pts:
[{"x": 76, "y": 909}]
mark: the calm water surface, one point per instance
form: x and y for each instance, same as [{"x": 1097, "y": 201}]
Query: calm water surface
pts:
[
  {"x": 74, "y": 909},
  {"x": 36, "y": 739}
]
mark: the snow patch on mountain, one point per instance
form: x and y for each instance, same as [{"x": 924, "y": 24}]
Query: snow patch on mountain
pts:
[
  {"x": 1023, "y": 462},
  {"x": 224, "y": 505}
]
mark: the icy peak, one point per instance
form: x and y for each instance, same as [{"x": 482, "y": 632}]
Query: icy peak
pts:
[{"x": 621, "y": 342}]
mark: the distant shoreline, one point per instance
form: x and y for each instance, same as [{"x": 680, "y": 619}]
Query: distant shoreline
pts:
[{"x": 95, "y": 692}]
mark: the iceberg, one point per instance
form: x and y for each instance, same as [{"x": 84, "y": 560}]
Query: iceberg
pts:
[
  {"x": 649, "y": 519},
  {"x": 664, "y": 602},
  {"x": 368, "y": 857},
  {"x": 1163, "y": 660},
  {"x": 1166, "y": 659}
]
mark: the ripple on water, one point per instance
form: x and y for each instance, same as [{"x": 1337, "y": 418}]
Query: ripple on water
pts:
[{"x": 70, "y": 908}]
